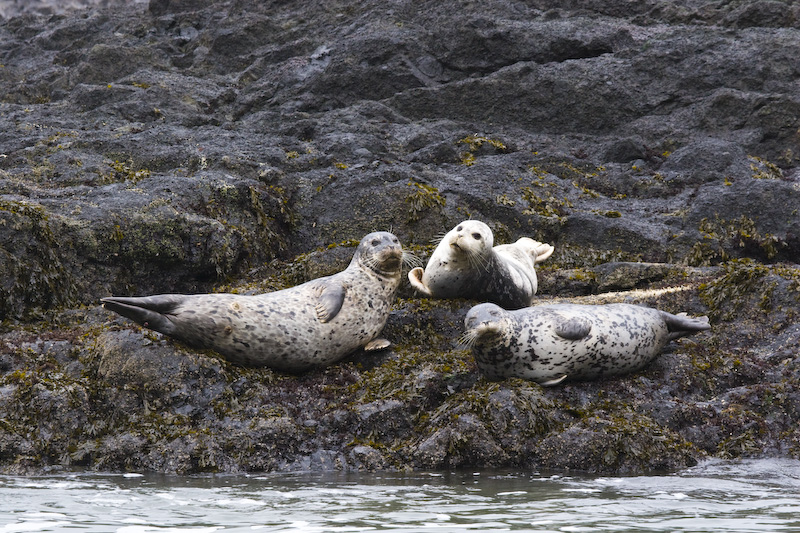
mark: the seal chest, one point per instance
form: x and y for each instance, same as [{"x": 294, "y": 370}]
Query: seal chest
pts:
[
  {"x": 311, "y": 325},
  {"x": 466, "y": 264},
  {"x": 550, "y": 343}
]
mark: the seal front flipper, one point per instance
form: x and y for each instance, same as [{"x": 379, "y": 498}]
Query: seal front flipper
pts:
[
  {"x": 376, "y": 345},
  {"x": 573, "y": 329},
  {"x": 330, "y": 298},
  {"x": 415, "y": 278},
  {"x": 554, "y": 381},
  {"x": 149, "y": 311}
]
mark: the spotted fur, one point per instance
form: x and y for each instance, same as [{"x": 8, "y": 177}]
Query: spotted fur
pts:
[
  {"x": 311, "y": 325},
  {"x": 466, "y": 264},
  {"x": 550, "y": 343}
]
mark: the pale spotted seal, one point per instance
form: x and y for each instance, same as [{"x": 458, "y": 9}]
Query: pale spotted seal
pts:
[
  {"x": 466, "y": 264},
  {"x": 310, "y": 325},
  {"x": 550, "y": 343}
]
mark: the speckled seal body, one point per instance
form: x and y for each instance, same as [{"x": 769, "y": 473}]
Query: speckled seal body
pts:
[
  {"x": 466, "y": 264},
  {"x": 550, "y": 343},
  {"x": 310, "y": 325}
]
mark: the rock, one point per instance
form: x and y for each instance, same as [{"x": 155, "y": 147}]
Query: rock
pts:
[
  {"x": 367, "y": 458},
  {"x": 706, "y": 160},
  {"x": 201, "y": 145}
]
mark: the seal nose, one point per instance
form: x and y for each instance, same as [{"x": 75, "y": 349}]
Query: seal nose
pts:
[
  {"x": 390, "y": 257},
  {"x": 485, "y": 324}
]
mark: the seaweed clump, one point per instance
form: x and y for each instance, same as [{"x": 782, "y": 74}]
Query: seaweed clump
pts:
[
  {"x": 477, "y": 144},
  {"x": 423, "y": 199},
  {"x": 724, "y": 240},
  {"x": 34, "y": 276}
]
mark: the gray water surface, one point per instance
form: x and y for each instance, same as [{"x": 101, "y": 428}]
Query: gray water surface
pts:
[{"x": 757, "y": 495}]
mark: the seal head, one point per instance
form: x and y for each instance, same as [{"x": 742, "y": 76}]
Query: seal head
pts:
[{"x": 381, "y": 253}]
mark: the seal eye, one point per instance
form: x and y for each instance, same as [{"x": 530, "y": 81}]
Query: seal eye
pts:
[
  {"x": 459, "y": 228},
  {"x": 476, "y": 236},
  {"x": 376, "y": 242}
]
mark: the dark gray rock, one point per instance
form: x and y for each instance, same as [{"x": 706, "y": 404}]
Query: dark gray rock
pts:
[{"x": 199, "y": 145}]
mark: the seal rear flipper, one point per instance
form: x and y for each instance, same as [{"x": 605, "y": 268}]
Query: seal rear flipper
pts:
[
  {"x": 330, "y": 299},
  {"x": 681, "y": 325},
  {"x": 543, "y": 251},
  {"x": 148, "y": 311},
  {"x": 415, "y": 278}
]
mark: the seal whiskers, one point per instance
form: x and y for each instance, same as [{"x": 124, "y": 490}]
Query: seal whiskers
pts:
[
  {"x": 468, "y": 338},
  {"x": 411, "y": 260},
  {"x": 480, "y": 263}
]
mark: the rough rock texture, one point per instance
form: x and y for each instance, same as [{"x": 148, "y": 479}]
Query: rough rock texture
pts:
[{"x": 194, "y": 145}]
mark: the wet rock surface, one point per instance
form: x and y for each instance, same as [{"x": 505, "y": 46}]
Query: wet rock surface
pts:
[{"x": 198, "y": 146}]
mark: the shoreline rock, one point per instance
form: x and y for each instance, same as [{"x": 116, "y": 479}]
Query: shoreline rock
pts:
[{"x": 197, "y": 146}]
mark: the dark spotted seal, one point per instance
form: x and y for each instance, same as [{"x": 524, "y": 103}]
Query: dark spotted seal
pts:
[
  {"x": 466, "y": 264},
  {"x": 310, "y": 325},
  {"x": 550, "y": 343}
]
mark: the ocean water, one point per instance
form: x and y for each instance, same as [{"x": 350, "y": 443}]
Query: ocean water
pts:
[{"x": 753, "y": 495}]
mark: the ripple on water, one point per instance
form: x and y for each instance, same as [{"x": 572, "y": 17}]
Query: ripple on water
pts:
[{"x": 722, "y": 496}]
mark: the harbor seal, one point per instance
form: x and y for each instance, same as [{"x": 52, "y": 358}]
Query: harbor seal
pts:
[
  {"x": 311, "y": 325},
  {"x": 466, "y": 264},
  {"x": 550, "y": 343}
]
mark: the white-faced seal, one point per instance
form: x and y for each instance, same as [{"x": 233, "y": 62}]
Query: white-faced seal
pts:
[
  {"x": 466, "y": 264},
  {"x": 310, "y": 325},
  {"x": 550, "y": 343}
]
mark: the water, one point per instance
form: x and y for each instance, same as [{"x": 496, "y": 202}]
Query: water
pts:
[{"x": 762, "y": 495}]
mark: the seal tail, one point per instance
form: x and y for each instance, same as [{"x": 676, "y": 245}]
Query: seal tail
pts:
[
  {"x": 681, "y": 325},
  {"x": 148, "y": 311}
]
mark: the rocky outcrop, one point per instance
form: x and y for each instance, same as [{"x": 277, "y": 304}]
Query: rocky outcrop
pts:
[{"x": 193, "y": 145}]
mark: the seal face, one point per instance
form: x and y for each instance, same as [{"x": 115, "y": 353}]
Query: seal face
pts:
[
  {"x": 311, "y": 325},
  {"x": 550, "y": 343},
  {"x": 466, "y": 264}
]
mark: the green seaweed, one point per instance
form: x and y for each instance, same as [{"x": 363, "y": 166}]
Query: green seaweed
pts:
[
  {"x": 31, "y": 262},
  {"x": 725, "y": 239},
  {"x": 475, "y": 143},
  {"x": 547, "y": 205},
  {"x": 570, "y": 256},
  {"x": 733, "y": 289},
  {"x": 423, "y": 199},
  {"x": 764, "y": 170},
  {"x": 124, "y": 171}
]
